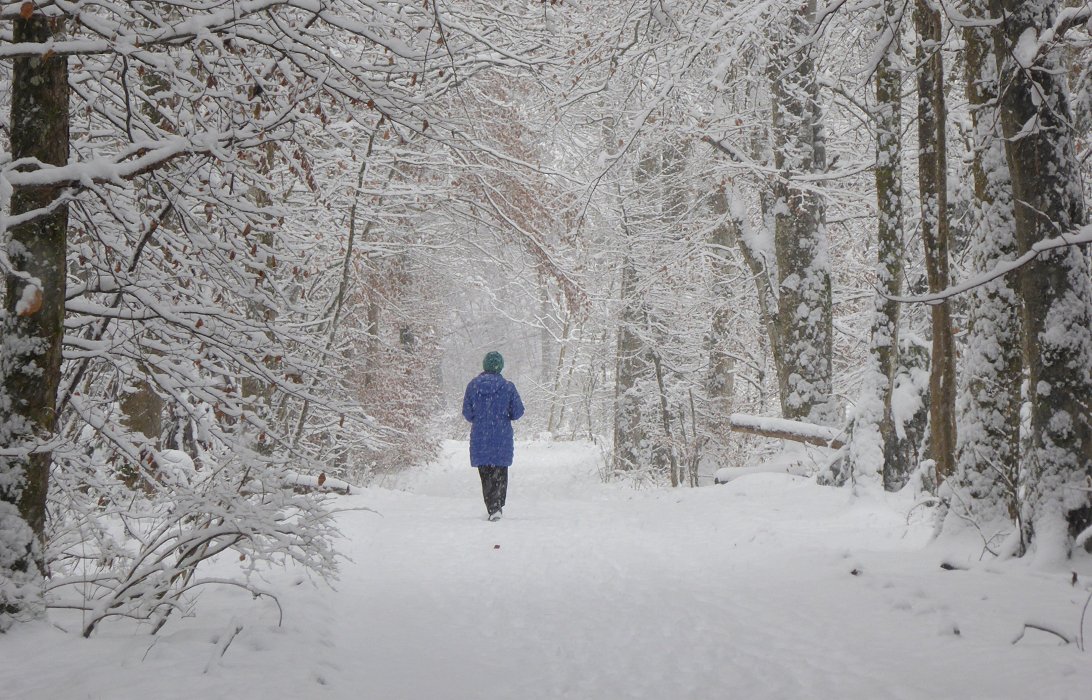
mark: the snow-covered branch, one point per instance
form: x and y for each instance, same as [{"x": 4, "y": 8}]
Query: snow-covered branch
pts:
[{"x": 1082, "y": 236}]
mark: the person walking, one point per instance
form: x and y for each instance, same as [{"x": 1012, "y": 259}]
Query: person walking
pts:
[{"x": 491, "y": 403}]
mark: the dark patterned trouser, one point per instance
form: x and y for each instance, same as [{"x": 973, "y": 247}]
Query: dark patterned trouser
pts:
[{"x": 494, "y": 487}]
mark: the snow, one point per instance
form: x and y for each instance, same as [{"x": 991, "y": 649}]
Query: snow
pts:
[
  {"x": 766, "y": 587},
  {"x": 795, "y": 460},
  {"x": 176, "y": 465},
  {"x": 30, "y": 301}
]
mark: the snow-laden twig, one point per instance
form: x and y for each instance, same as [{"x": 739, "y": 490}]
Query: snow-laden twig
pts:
[
  {"x": 922, "y": 503},
  {"x": 151, "y": 573}
]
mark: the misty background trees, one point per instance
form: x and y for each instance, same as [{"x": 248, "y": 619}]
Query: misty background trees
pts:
[{"x": 251, "y": 243}]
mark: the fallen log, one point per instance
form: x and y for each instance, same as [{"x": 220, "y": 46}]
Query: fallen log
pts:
[{"x": 784, "y": 429}]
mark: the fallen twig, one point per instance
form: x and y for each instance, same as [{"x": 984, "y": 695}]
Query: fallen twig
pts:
[
  {"x": 1080, "y": 627},
  {"x": 1041, "y": 628},
  {"x": 233, "y": 631}
]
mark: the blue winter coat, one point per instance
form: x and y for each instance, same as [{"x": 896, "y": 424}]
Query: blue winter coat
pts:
[{"x": 491, "y": 403}]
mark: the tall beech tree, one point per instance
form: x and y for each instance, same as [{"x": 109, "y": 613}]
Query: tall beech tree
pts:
[
  {"x": 1055, "y": 287},
  {"x": 804, "y": 312},
  {"x": 986, "y": 485},
  {"x": 874, "y": 437},
  {"x": 936, "y": 231}
]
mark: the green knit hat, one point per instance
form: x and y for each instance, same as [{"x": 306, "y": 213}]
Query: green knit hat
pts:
[{"x": 493, "y": 362}]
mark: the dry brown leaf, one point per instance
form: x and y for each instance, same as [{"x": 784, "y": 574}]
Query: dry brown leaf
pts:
[{"x": 31, "y": 306}]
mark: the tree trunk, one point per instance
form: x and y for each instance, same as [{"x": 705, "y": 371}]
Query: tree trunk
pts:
[
  {"x": 1055, "y": 287},
  {"x": 34, "y": 307},
  {"x": 631, "y": 364},
  {"x": 665, "y": 417},
  {"x": 804, "y": 316},
  {"x": 558, "y": 396},
  {"x": 371, "y": 358},
  {"x": 143, "y": 407},
  {"x": 986, "y": 480},
  {"x": 889, "y": 244},
  {"x": 565, "y": 388},
  {"x": 737, "y": 229},
  {"x": 935, "y": 234},
  {"x": 143, "y": 410},
  {"x": 259, "y": 392},
  {"x": 720, "y": 382},
  {"x": 874, "y": 443},
  {"x": 547, "y": 377}
]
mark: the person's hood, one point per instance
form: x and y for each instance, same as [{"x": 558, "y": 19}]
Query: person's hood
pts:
[{"x": 489, "y": 383}]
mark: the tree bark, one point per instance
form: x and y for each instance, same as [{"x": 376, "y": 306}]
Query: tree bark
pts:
[
  {"x": 34, "y": 304},
  {"x": 549, "y": 369},
  {"x": 258, "y": 392},
  {"x": 935, "y": 233},
  {"x": 143, "y": 409},
  {"x": 373, "y": 311},
  {"x": 558, "y": 397},
  {"x": 720, "y": 382},
  {"x": 874, "y": 444},
  {"x": 889, "y": 243},
  {"x": 804, "y": 314},
  {"x": 633, "y": 361},
  {"x": 631, "y": 364},
  {"x": 986, "y": 483},
  {"x": 1055, "y": 287},
  {"x": 665, "y": 417}
]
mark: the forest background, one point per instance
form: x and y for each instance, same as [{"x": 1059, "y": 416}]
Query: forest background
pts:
[{"x": 252, "y": 246}]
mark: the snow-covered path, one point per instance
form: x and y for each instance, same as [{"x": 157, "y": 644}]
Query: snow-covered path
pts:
[{"x": 768, "y": 587}]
